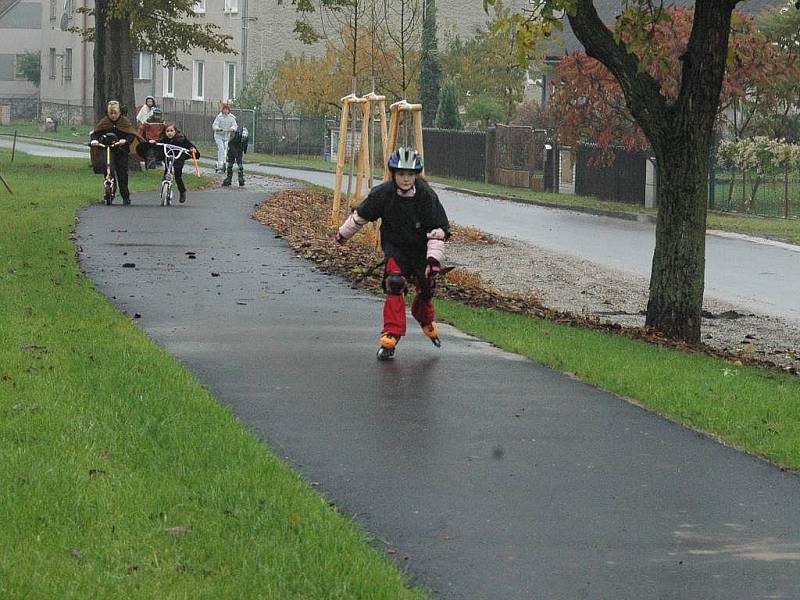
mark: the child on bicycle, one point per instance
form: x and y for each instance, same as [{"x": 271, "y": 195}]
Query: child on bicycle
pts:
[
  {"x": 413, "y": 230},
  {"x": 173, "y": 136},
  {"x": 117, "y": 129},
  {"x": 237, "y": 147}
]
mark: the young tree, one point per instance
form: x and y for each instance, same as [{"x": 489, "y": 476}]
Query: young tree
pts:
[
  {"x": 680, "y": 130},
  {"x": 447, "y": 116},
  {"x": 402, "y": 20},
  {"x": 430, "y": 71},
  {"x": 486, "y": 111},
  {"x": 164, "y": 27},
  {"x": 30, "y": 65}
]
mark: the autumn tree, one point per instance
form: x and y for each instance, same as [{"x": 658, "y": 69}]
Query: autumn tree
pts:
[
  {"x": 165, "y": 28},
  {"x": 679, "y": 127},
  {"x": 589, "y": 104}
]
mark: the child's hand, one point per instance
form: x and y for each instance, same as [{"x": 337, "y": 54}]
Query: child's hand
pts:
[
  {"x": 433, "y": 268},
  {"x": 339, "y": 238}
]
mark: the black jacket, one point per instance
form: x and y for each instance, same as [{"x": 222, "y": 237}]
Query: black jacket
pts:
[
  {"x": 237, "y": 146},
  {"x": 405, "y": 222}
]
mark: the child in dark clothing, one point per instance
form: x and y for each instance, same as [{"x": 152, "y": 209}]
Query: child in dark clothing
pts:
[
  {"x": 173, "y": 136},
  {"x": 151, "y": 131},
  {"x": 414, "y": 228},
  {"x": 116, "y": 126},
  {"x": 237, "y": 147}
]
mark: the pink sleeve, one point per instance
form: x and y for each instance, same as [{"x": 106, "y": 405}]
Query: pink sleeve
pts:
[
  {"x": 351, "y": 226},
  {"x": 436, "y": 239}
]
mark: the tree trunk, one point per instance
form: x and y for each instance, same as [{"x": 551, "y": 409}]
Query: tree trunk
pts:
[
  {"x": 678, "y": 272},
  {"x": 113, "y": 62}
]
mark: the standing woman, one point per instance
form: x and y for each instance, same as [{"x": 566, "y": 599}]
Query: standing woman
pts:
[
  {"x": 224, "y": 125},
  {"x": 146, "y": 111}
]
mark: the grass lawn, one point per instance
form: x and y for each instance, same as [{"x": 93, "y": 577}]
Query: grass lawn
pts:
[
  {"x": 120, "y": 475},
  {"x": 78, "y": 133},
  {"x": 750, "y": 408}
]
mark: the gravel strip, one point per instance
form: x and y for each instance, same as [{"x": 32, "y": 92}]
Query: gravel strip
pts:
[{"x": 584, "y": 288}]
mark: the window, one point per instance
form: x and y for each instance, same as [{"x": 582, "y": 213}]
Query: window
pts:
[
  {"x": 198, "y": 79},
  {"x": 229, "y": 82},
  {"x": 169, "y": 82},
  {"x": 231, "y": 6},
  {"x": 200, "y": 6},
  {"x": 18, "y": 72},
  {"x": 69, "y": 8},
  {"x": 68, "y": 64},
  {"x": 53, "y": 10},
  {"x": 142, "y": 65},
  {"x": 51, "y": 63}
]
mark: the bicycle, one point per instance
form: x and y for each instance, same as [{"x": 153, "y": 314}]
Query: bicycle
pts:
[
  {"x": 110, "y": 182},
  {"x": 171, "y": 154}
]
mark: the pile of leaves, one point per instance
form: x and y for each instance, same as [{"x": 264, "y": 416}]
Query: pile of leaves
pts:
[{"x": 302, "y": 217}]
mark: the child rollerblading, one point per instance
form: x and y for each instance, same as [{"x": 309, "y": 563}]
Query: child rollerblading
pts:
[{"x": 414, "y": 228}]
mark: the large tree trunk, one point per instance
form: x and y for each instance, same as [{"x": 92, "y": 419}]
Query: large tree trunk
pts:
[
  {"x": 678, "y": 273},
  {"x": 113, "y": 62},
  {"x": 680, "y": 133}
]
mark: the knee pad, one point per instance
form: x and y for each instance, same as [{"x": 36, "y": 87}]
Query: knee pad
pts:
[{"x": 395, "y": 284}]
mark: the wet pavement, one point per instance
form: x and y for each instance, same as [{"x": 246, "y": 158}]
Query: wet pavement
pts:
[{"x": 484, "y": 475}]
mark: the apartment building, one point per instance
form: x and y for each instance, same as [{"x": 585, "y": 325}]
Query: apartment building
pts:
[
  {"x": 68, "y": 63},
  {"x": 20, "y": 32}
]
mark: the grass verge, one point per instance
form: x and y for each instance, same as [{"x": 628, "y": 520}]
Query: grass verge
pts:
[
  {"x": 120, "y": 475},
  {"x": 750, "y": 408}
]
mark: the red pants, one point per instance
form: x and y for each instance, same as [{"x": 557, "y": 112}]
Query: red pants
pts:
[{"x": 394, "y": 308}]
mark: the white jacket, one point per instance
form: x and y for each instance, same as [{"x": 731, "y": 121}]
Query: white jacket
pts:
[
  {"x": 224, "y": 125},
  {"x": 144, "y": 113}
]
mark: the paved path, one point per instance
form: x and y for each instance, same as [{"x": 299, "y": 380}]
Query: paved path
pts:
[
  {"x": 60, "y": 150},
  {"x": 488, "y": 476},
  {"x": 762, "y": 277}
]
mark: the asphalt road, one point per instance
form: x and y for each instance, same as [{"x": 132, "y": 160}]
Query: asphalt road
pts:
[
  {"x": 764, "y": 277},
  {"x": 487, "y": 476}
]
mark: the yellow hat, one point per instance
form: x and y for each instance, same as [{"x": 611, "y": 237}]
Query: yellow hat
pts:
[{"x": 113, "y": 106}]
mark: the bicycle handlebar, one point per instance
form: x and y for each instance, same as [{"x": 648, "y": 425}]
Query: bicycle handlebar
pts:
[{"x": 173, "y": 151}]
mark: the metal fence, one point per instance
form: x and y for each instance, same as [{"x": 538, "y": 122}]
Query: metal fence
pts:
[
  {"x": 772, "y": 195},
  {"x": 622, "y": 178},
  {"x": 457, "y": 154}
]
